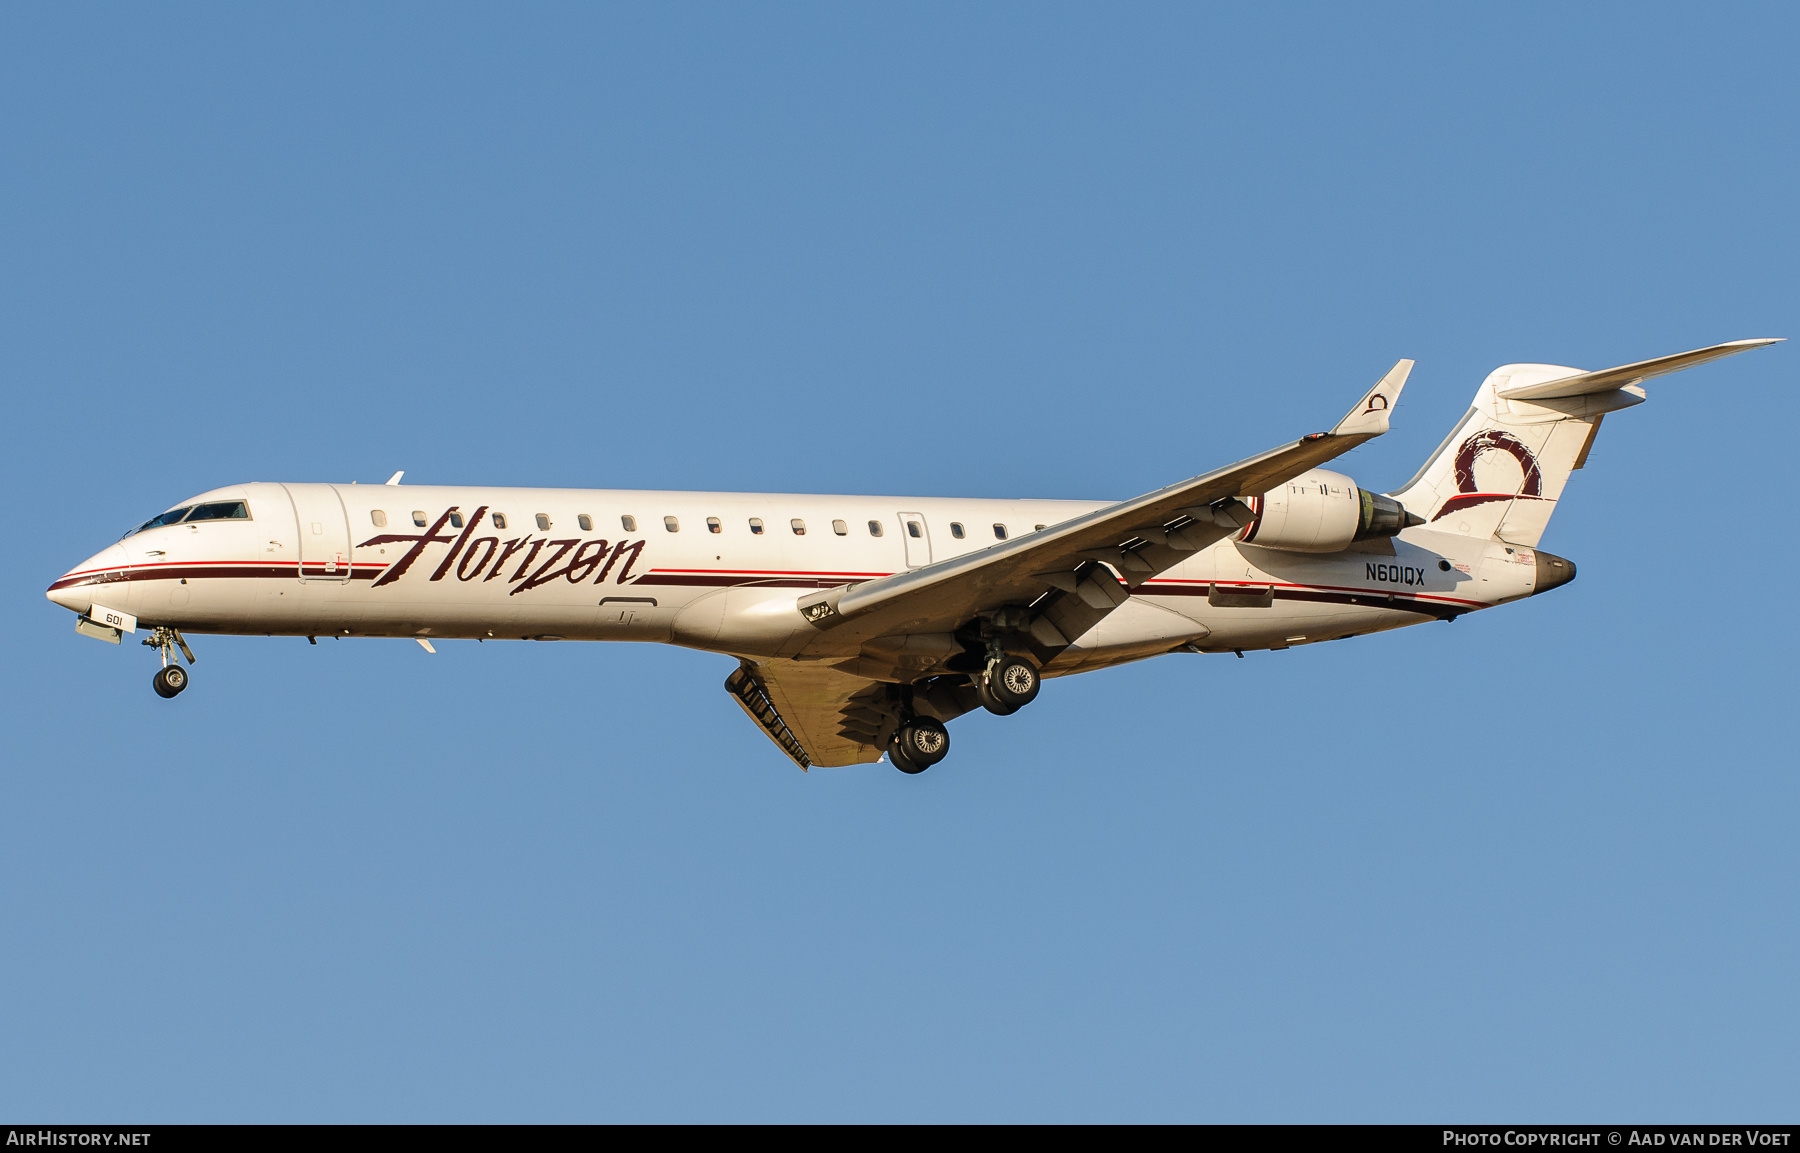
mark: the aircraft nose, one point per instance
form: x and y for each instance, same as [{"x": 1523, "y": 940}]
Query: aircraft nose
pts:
[{"x": 74, "y": 590}]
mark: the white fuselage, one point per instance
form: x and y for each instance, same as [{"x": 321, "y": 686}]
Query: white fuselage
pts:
[{"x": 689, "y": 568}]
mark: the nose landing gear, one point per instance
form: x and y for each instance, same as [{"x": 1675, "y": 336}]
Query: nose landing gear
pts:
[{"x": 171, "y": 678}]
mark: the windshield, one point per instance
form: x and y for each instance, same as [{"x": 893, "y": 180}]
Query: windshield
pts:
[
  {"x": 173, "y": 516},
  {"x": 220, "y": 510},
  {"x": 211, "y": 510}
]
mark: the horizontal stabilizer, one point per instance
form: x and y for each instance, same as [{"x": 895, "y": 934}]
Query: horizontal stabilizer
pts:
[{"x": 1608, "y": 379}]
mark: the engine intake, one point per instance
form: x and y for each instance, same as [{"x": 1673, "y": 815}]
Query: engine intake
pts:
[{"x": 1322, "y": 511}]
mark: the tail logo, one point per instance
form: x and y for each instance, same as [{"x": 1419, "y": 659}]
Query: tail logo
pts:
[{"x": 1469, "y": 492}]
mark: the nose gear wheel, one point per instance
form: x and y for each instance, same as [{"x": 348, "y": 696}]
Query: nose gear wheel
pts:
[
  {"x": 169, "y": 681},
  {"x": 171, "y": 678}
]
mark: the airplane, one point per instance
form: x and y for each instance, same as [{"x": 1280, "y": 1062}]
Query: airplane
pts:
[{"x": 861, "y": 625}]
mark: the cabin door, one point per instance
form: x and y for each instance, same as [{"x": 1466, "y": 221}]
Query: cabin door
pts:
[
  {"x": 918, "y": 539},
  {"x": 324, "y": 528}
]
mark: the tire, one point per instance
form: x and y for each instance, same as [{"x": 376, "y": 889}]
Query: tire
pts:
[
  {"x": 990, "y": 702},
  {"x": 169, "y": 681},
  {"x": 923, "y": 741},
  {"x": 1013, "y": 682},
  {"x": 900, "y": 762}
]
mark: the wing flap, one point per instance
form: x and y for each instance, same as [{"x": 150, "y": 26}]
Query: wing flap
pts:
[
  {"x": 816, "y": 714},
  {"x": 752, "y": 696}
]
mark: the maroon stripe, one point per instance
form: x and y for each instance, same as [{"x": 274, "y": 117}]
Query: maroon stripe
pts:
[
  {"x": 719, "y": 580},
  {"x": 1374, "y": 598},
  {"x": 211, "y": 572},
  {"x": 1471, "y": 499},
  {"x": 777, "y": 572},
  {"x": 1256, "y": 511}
]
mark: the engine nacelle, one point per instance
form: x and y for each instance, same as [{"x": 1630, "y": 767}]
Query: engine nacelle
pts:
[{"x": 1322, "y": 511}]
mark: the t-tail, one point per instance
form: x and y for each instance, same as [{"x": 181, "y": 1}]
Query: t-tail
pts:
[{"x": 1502, "y": 469}]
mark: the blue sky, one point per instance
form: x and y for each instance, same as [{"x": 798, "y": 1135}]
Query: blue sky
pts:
[{"x": 1538, "y": 864}]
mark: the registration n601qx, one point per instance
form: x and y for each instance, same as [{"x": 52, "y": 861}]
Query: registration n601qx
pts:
[{"x": 862, "y": 625}]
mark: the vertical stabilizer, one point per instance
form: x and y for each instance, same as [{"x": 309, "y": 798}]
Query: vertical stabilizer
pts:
[{"x": 1502, "y": 469}]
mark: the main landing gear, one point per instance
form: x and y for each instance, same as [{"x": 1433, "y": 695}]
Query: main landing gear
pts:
[
  {"x": 1007, "y": 685},
  {"x": 171, "y": 678},
  {"x": 919, "y": 744}
]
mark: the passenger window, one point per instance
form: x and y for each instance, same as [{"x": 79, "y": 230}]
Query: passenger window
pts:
[
  {"x": 543, "y": 523},
  {"x": 628, "y": 523},
  {"x": 419, "y": 517},
  {"x": 874, "y": 528},
  {"x": 912, "y": 529},
  {"x": 456, "y": 520},
  {"x": 1040, "y": 528},
  {"x": 756, "y": 526},
  {"x": 799, "y": 526},
  {"x": 839, "y": 527},
  {"x": 713, "y": 525},
  {"x": 379, "y": 518},
  {"x": 219, "y": 510},
  {"x": 671, "y": 524},
  {"x": 956, "y": 530},
  {"x": 999, "y": 532},
  {"x": 500, "y": 520},
  {"x": 586, "y": 522}
]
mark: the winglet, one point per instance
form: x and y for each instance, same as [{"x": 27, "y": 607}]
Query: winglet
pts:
[
  {"x": 1370, "y": 416},
  {"x": 395, "y": 479}
]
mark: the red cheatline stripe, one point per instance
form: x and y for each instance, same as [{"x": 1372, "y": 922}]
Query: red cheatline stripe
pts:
[
  {"x": 214, "y": 570},
  {"x": 772, "y": 578},
  {"x": 174, "y": 564},
  {"x": 720, "y": 581},
  {"x": 773, "y": 572}
]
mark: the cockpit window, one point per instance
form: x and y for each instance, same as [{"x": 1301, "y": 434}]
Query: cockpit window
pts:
[
  {"x": 219, "y": 510},
  {"x": 212, "y": 510},
  {"x": 173, "y": 516}
]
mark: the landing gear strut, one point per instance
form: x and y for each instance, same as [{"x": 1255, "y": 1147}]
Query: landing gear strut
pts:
[
  {"x": 171, "y": 678},
  {"x": 919, "y": 744}
]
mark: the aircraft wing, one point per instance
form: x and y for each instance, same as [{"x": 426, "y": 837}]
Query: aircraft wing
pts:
[
  {"x": 1138, "y": 538},
  {"x": 814, "y": 713}
]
